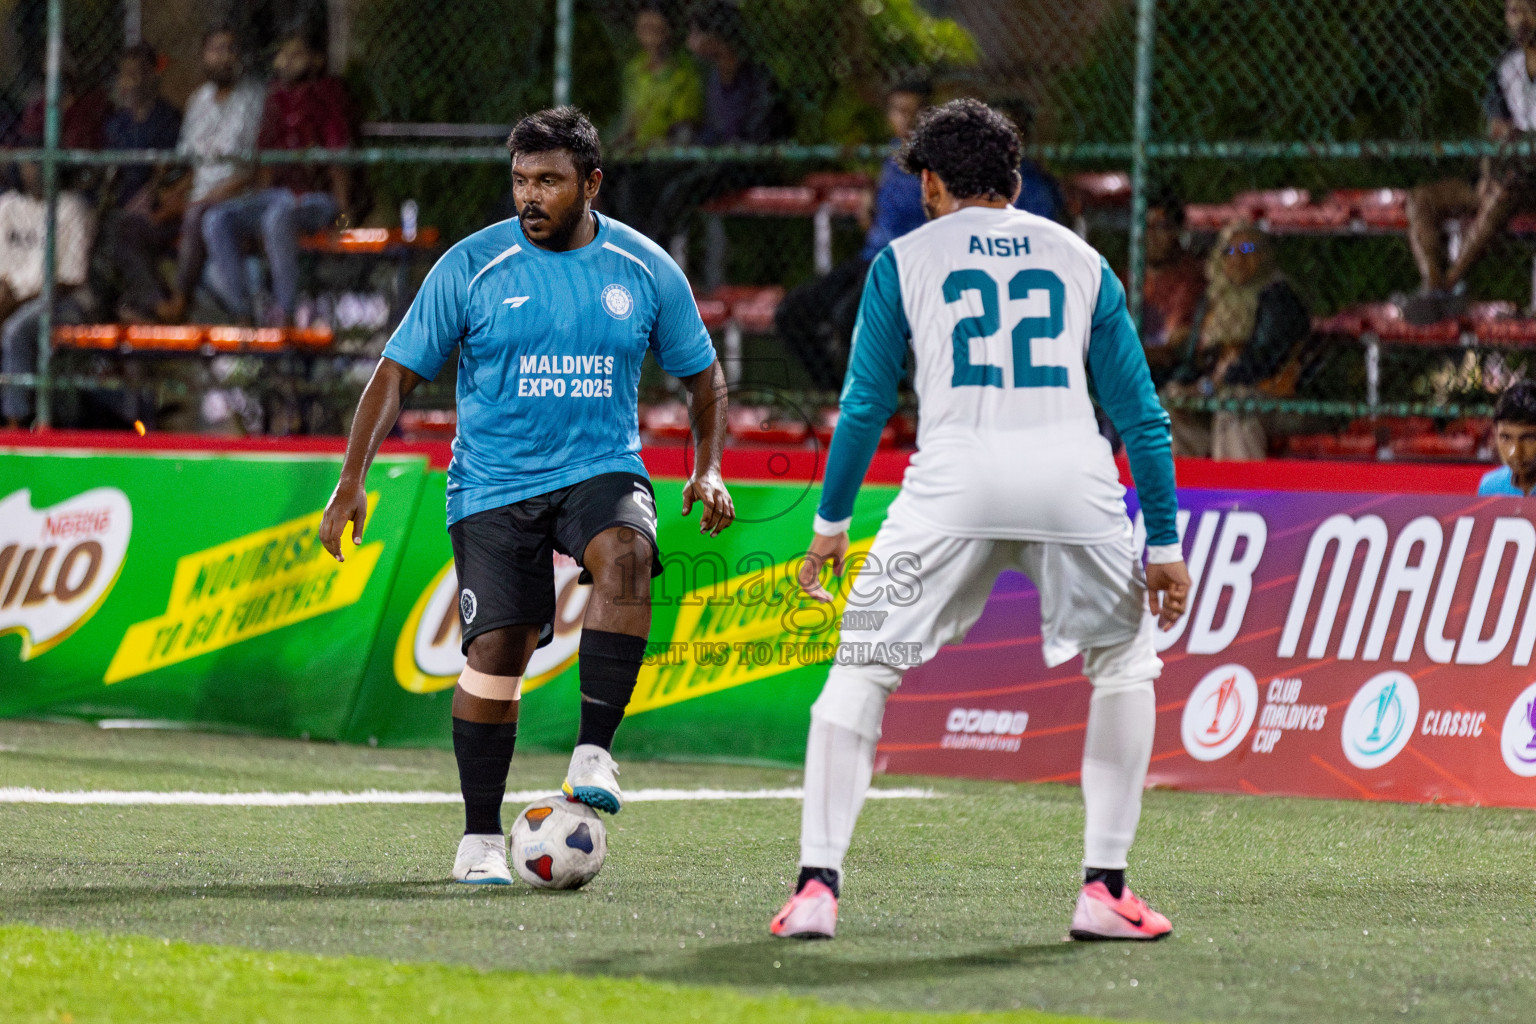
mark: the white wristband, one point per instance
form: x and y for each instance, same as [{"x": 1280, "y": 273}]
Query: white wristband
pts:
[
  {"x": 828, "y": 528},
  {"x": 1162, "y": 554}
]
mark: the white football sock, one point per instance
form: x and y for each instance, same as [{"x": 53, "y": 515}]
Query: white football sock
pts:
[
  {"x": 840, "y": 759},
  {"x": 839, "y": 764},
  {"x": 1116, "y": 753}
]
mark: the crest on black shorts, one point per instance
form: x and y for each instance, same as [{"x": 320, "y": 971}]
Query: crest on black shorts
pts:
[{"x": 468, "y": 605}]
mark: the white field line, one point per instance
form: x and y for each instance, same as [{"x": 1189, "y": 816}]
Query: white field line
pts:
[{"x": 183, "y": 798}]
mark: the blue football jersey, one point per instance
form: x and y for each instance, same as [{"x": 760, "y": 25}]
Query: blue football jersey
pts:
[{"x": 550, "y": 346}]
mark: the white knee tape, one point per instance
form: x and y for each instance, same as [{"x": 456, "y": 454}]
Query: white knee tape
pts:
[
  {"x": 1124, "y": 665},
  {"x": 854, "y": 697},
  {"x": 488, "y": 687}
]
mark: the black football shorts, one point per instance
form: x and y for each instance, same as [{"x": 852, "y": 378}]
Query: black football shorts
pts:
[{"x": 503, "y": 555}]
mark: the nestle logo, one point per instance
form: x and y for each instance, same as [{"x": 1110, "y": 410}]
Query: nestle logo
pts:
[
  {"x": 86, "y": 522},
  {"x": 987, "y": 722}
]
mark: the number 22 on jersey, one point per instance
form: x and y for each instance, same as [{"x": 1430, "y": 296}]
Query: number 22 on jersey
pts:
[{"x": 1025, "y": 373}]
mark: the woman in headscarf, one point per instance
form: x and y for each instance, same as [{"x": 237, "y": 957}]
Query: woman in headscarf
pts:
[{"x": 1243, "y": 331}]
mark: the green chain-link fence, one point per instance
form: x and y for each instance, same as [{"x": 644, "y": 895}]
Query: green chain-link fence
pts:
[{"x": 1324, "y": 114}]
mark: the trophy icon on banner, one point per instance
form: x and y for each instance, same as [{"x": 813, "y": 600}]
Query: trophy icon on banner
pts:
[
  {"x": 1388, "y": 694},
  {"x": 1530, "y": 718}
]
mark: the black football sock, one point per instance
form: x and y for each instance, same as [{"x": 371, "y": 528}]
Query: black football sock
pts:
[
  {"x": 826, "y": 876},
  {"x": 1113, "y": 879},
  {"x": 484, "y": 753},
  {"x": 609, "y": 664}
]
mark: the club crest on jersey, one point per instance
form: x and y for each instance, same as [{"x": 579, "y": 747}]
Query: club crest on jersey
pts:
[
  {"x": 468, "y": 605},
  {"x": 618, "y": 302}
]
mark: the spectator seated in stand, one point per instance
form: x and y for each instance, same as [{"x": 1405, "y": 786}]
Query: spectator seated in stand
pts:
[
  {"x": 305, "y": 108},
  {"x": 82, "y": 113},
  {"x": 1245, "y": 329},
  {"x": 816, "y": 319},
  {"x": 741, "y": 105},
  {"x": 662, "y": 103},
  {"x": 135, "y": 237},
  {"x": 1514, "y": 436},
  {"x": 222, "y": 120},
  {"x": 1039, "y": 192},
  {"x": 1171, "y": 289},
  {"x": 1506, "y": 185},
  {"x": 741, "y": 98},
  {"x": 663, "y": 90},
  {"x": 23, "y": 216}
]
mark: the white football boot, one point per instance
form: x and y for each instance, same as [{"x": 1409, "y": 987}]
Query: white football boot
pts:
[
  {"x": 482, "y": 860},
  {"x": 593, "y": 779}
]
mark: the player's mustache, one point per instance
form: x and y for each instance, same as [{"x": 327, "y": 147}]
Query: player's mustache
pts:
[{"x": 533, "y": 213}]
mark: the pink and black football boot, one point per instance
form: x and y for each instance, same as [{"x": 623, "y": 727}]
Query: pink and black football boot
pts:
[
  {"x": 810, "y": 913},
  {"x": 1100, "y": 915}
]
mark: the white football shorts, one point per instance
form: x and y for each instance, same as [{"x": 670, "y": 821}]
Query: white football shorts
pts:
[{"x": 933, "y": 587}]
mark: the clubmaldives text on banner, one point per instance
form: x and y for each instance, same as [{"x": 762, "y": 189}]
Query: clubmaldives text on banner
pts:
[{"x": 1351, "y": 645}]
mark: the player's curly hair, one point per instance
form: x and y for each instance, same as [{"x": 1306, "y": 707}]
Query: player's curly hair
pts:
[
  {"x": 971, "y": 147},
  {"x": 1517, "y": 404},
  {"x": 559, "y": 128}
]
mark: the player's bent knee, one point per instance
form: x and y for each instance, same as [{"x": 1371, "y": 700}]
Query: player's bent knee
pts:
[
  {"x": 490, "y": 687},
  {"x": 854, "y": 697},
  {"x": 1125, "y": 665},
  {"x": 620, "y": 559},
  {"x": 504, "y": 651}
]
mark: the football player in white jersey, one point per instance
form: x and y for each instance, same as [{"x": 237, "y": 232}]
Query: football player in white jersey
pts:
[{"x": 1009, "y": 317}]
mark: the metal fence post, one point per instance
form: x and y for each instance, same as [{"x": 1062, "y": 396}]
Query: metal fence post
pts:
[
  {"x": 564, "y": 23},
  {"x": 1146, "y": 27},
  {"x": 51, "y": 206}
]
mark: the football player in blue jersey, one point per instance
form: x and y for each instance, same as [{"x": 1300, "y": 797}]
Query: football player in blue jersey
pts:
[{"x": 552, "y": 313}]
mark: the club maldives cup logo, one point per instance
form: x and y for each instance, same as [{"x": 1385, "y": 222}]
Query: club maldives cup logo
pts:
[
  {"x": 1518, "y": 741},
  {"x": 1380, "y": 720},
  {"x": 57, "y": 564},
  {"x": 1219, "y": 712}
]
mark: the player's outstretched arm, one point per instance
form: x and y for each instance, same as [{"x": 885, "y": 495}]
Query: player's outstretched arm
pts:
[
  {"x": 377, "y": 411},
  {"x": 875, "y": 367},
  {"x": 1124, "y": 386},
  {"x": 707, "y": 404}
]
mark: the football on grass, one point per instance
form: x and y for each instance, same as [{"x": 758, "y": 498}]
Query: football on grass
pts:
[{"x": 557, "y": 844}]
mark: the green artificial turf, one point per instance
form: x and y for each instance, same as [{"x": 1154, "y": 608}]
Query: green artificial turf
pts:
[
  {"x": 1284, "y": 910},
  {"x": 59, "y": 976}
]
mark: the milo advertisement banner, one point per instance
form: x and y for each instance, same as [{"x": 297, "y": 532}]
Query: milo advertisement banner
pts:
[
  {"x": 736, "y": 656},
  {"x": 190, "y": 587},
  {"x": 1349, "y": 645}
]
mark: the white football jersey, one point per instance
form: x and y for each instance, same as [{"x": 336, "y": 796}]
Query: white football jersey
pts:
[{"x": 1000, "y": 306}]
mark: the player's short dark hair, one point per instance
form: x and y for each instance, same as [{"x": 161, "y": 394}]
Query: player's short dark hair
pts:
[
  {"x": 559, "y": 128},
  {"x": 971, "y": 147},
  {"x": 1517, "y": 404}
]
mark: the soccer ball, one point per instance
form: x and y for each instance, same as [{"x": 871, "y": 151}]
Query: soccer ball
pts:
[{"x": 557, "y": 844}]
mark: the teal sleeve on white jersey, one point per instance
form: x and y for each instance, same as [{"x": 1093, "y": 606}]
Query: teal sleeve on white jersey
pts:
[
  {"x": 1123, "y": 384},
  {"x": 875, "y": 368}
]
